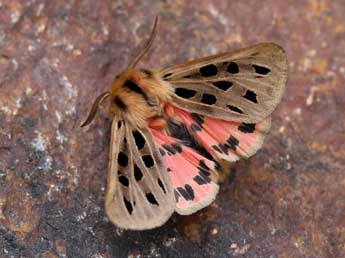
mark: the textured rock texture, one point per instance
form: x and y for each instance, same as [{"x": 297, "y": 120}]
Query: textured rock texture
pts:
[{"x": 57, "y": 56}]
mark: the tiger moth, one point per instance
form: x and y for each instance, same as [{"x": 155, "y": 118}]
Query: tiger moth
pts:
[{"x": 173, "y": 127}]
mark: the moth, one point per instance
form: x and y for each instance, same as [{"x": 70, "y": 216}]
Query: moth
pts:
[{"x": 172, "y": 129}]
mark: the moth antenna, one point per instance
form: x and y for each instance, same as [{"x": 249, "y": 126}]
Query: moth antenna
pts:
[
  {"x": 94, "y": 108},
  {"x": 147, "y": 45}
]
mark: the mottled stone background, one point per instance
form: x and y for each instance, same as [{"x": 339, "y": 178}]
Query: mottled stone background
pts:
[{"x": 57, "y": 56}]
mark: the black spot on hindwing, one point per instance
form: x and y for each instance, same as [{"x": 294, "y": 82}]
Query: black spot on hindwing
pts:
[
  {"x": 233, "y": 142},
  {"x": 162, "y": 152},
  {"x": 197, "y": 118},
  {"x": 186, "y": 192},
  {"x": 230, "y": 144},
  {"x": 177, "y": 147},
  {"x": 203, "y": 176},
  {"x": 172, "y": 148},
  {"x": 177, "y": 195},
  {"x": 195, "y": 128},
  {"x": 246, "y": 128}
]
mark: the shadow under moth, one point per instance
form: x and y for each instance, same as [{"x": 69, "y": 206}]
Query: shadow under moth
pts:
[{"x": 172, "y": 129}]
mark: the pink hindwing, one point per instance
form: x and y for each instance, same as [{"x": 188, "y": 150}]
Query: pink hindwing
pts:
[
  {"x": 192, "y": 175},
  {"x": 226, "y": 140}
]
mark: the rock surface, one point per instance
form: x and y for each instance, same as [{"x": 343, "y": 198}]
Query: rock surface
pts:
[{"x": 57, "y": 56}]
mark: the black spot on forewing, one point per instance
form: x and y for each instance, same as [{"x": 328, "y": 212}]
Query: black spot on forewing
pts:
[
  {"x": 235, "y": 109},
  {"x": 148, "y": 160},
  {"x": 232, "y": 68},
  {"x": 151, "y": 198},
  {"x": 124, "y": 180},
  {"x": 208, "y": 70},
  {"x": 261, "y": 69},
  {"x": 118, "y": 102},
  {"x": 208, "y": 99},
  {"x": 161, "y": 185},
  {"x": 251, "y": 96},
  {"x": 185, "y": 93},
  {"x": 246, "y": 128},
  {"x": 128, "y": 205},
  {"x": 223, "y": 85},
  {"x": 137, "y": 173},
  {"x": 139, "y": 140},
  {"x": 122, "y": 159},
  {"x": 186, "y": 192},
  {"x": 119, "y": 124}
]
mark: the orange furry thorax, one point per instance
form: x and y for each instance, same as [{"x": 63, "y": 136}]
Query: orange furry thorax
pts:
[{"x": 138, "y": 95}]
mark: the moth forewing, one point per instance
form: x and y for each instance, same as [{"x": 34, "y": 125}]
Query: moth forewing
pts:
[
  {"x": 243, "y": 85},
  {"x": 139, "y": 196}
]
